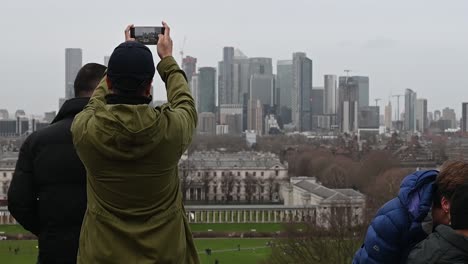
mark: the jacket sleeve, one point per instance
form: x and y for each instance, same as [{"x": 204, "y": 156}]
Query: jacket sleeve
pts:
[
  {"x": 79, "y": 126},
  {"x": 179, "y": 97},
  {"x": 22, "y": 197},
  {"x": 383, "y": 242}
]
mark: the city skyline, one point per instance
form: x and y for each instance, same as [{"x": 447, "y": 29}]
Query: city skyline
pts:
[{"x": 395, "y": 54}]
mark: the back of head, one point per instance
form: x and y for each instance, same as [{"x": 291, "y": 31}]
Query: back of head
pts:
[
  {"x": 459, "y": 208},
  {"x": 131, "y": 68},
  {"x": 88, "y": 78},
  {"x": 452, "y": 175}
]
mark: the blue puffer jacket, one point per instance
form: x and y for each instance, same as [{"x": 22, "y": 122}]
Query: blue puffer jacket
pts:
[{"x": 397, "y": 227}]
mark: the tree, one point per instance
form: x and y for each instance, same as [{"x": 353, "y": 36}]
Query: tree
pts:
[
  {"x": 250, "y": 184},
  {"x": 227, "y": 185},
  {"x": 310, "y": 243}
]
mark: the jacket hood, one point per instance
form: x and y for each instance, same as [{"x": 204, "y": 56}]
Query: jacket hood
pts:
[
  {"x": 416, "y": 193},
  {"x": 127, "y": 132},
  {"x": 453, "y": 238},
  {"x": 71, "y": 108}
]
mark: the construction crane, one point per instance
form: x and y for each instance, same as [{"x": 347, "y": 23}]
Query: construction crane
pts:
[
  {"x": 377, "y": 101},
  {"x": 181, "y": 52},
  {"x": 398, "y": 104}
]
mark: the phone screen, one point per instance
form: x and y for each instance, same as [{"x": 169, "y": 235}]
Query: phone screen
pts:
[{"x": 146, "y": 35}]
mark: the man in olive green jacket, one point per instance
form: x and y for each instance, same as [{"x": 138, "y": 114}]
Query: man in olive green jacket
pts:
[{"x": 131, "y": 152}]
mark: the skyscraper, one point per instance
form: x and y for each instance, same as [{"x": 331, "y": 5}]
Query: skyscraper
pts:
[
  {"x": 317, "y": 101},
  {"x": 362, "y": 83},
  {"x": 369, "y": 117},
  {"x": 388, "y": 116},
  {"x": 206, "y": 89},
  {"x": 226, "y": 93},
  {"x": 437, "y": 115},
  {"x": 330, "y": 95},
  {"x": 260, "y": 66},
  {"x": 194, "y": 88},
  {"x": 348, "y": 105},
  {"x": 301, "y": 92},
  {"x": 285, "y": 86},
  {"x": 73, "y": 63},
  {"x": 255, "y": 117},
  {"x": 189, "y": 66},
  {"x": 464, "y": 124},
  {"x": 262, "y": 88},
  {"x": 410, "y": 110},
  {"x": 449, "y": 114},
  {"x": 421, "y": 115},
  {"x": 206, "y": 123}
]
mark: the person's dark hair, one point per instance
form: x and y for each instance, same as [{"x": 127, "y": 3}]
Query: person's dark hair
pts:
[
  {"x": 452, "y": 175},
  {"x": 88, "y": 78},
  {"x": 458, "y": 208}
]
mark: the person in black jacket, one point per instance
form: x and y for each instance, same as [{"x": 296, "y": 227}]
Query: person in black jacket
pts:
[
  {"x": 47, "y": 195},
  {"x": 448, "y": 244}
]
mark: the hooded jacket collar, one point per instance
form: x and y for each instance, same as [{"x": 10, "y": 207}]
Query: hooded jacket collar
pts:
[
  {"x": 127, "y": 99},
  {"x": 71, "y": 108},
  {"x": 453, "y": 238}
]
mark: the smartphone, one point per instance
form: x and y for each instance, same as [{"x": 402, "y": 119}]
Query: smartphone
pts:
[{"x": 146, "y": 35}]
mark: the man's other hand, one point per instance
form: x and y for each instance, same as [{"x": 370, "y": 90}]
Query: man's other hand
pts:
[
  {"x": 128, "y": 36},
  {"x": 165, "y": 42}
]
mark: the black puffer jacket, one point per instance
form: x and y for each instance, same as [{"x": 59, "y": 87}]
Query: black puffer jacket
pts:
[
  {"x": 444, "y": 246},
  {"x": 47, "y": 195}
]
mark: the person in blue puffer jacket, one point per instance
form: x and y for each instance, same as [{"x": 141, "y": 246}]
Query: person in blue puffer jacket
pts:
[{"x": 401, "y": 223}]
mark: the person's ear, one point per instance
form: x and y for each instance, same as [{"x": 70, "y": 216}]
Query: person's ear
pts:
[
  {"x": 445, "y": 204},
  {"x": 109, "y": 84}
]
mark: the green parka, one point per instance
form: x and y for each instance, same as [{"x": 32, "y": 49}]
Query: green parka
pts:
[{"x": 131, "y": 152}]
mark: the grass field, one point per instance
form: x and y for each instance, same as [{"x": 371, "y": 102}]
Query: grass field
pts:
[
  {"x": 235, "y": 227},
  {"x": 252, "y": 251}
]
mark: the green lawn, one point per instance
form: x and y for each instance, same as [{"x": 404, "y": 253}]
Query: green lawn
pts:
[
  {"x": 234, "y": 227},
  {"x": 237, "y": 227},
  {"x": 12, "y": 229},
  {"x": 229, "y": 255}
]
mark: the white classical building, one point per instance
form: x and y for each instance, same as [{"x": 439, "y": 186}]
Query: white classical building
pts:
[
  {"x": 331, "y": 204},
  {"x": 243, "y": 177},
  {"x": 7, "y": 168}
]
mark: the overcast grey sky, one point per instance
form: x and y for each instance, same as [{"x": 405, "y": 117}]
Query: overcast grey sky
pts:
[{"x": 419, "y": 44}]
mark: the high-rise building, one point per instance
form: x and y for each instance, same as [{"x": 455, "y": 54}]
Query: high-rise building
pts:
[
  {"x": 226, "y": 93},
  {"x": 410, "y": 110},
  {"x": 232, "y": 116},
  {"x": 301, "y": 92},
  {"x": 262, "y": 88},
  {"x": 261, "y": 66},
  {"x": 449, "y": 114},
  {"x": 255, "y": 117},
  {"x": 317, "y": 101},
  {"x": 348, "y": 104},
  {"x": 285, "y": 85},
  {"x": 189, "y": 66},
  {"x": 430, "y": 118},
  {"x": 330, "y": 95},
  {"x": 437, "y": 115},
  {"x": 194, "y": 88},
  {"x": 369, "y": 117},
  {"x": 206, "y": 89},
  {"x": 206, "y": 123},
  {"x": 464, "y": 123},
  {"x": 421, "y": 115},
  {"x": 106, "y": 60},
  {"x": 8, "y": 128},
  {"x": 388, "y": 116},
  {"x": 362, "y": 83},
  {"x": 73, "y": 63}
]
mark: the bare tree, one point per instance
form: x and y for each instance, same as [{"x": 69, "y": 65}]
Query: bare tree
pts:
[
  {"x": 312, "y": 243},
  {"x": 250, "y": 183},
  {"x": 227, "y": 185},
  {"x": 186, "y": 178}
]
